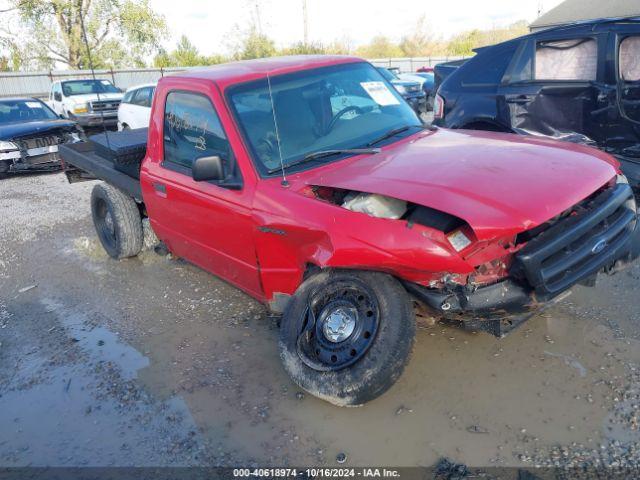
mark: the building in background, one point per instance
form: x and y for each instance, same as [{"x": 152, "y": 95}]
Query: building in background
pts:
[{"x": 571, "y": 11}]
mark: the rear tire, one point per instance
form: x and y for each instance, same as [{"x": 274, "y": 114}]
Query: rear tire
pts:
[
  {"x": 117, "y": 221},
  {"x": 379, "y": 340}
]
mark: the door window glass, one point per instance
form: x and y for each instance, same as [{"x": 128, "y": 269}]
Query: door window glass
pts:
[
  {"x": 192, "y": 130},
  {"x": 630, "y": 59},
  {"x": 142, "y": 97},
  {"x": 494, "y": 63},
  {"x": 575, "y": 59}
]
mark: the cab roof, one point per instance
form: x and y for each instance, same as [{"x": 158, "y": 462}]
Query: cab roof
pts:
[{"x": 237, "y": 72}]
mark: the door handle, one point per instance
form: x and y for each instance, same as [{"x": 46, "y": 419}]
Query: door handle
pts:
[{"x": 160, "y": 189}]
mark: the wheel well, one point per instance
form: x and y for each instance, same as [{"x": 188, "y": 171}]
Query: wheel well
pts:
[{"x": 486, "y": 125}]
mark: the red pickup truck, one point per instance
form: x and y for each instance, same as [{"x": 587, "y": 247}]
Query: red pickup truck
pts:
[{"x": 309, "y": 183}]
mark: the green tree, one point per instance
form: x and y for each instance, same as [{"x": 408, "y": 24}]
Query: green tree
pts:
[
  {"x": 301, "y": 48},
  {"x": 419, "y": 42},
  {"x": 185, "y": 55},
  {"x": 379, "y": 47},
  {"x": 119, "y": 32},
  {"x": 256, "y": 45}
]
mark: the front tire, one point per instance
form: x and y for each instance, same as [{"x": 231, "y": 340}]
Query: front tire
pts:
[
  {"x": 117, "y": 221},
  {"x": 347, "y": 335}
]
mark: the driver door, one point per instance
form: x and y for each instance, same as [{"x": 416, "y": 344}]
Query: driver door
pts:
[{"x": 207, "y": 223}]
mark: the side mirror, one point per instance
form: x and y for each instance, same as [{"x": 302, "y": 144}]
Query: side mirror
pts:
[
  {"x": 57, "y": 96},
  {"x": 207, "y": 169}
]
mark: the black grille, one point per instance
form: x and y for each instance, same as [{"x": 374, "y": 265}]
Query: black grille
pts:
[
  {"x": 580, "y": 245},
  {"x": 105, "y": 105},
  {"x": 39, "y": 142}
]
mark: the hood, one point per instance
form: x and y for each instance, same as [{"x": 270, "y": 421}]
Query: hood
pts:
[
  {"x": 404, "y": 83},
  {"x": 91, "y": 97},
  {"x": 9, "y": 131},
  {"x": 500, "y": 184}
]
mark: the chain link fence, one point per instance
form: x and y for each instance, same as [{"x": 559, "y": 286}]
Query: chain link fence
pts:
[{"x": 37, "y": 84}]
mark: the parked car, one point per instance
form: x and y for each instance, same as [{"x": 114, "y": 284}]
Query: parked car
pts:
[
  {"x": 88, "y": 102},
  {"x": 135, "y": 108},
  {"x": 425, "y": 69},
  {"x": 411, "y": 91},
  {"x": 30, "y": 133},
  {"x": 579, "y": 83},
  {"x": 341, "y": 214},
  {"x": 428, "y": 87}
]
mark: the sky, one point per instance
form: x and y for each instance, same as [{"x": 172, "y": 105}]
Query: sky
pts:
[{"x": 208, "y": 24}]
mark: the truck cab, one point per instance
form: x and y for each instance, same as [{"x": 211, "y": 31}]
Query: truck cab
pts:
[{"x": 89, "y": 102}]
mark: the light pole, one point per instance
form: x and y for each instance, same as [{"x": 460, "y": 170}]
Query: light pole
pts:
[{"x": 305, "y": 21}]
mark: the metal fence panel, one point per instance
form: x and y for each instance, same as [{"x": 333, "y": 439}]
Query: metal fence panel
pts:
[{"x": 38, "y": 84}]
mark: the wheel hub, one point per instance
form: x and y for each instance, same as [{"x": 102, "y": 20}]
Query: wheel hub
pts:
[{"x": 338, "y": 323}]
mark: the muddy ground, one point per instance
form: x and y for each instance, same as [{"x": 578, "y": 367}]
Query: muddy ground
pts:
[{"x": 151, "y": 361}]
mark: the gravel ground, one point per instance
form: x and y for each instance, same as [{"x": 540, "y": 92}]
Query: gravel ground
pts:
[{"x": 151, "y": 361}]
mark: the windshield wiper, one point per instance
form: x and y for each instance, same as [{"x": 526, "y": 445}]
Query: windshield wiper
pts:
[
  {"x": 392, "y": 133},
  {"x": 326, "y": 153}
]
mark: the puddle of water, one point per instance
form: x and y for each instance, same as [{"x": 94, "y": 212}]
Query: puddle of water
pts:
[
  {"x": 101, "y": 343},
  {"x": 79, "y": 415},
  {"x": 571, "y": 362}
]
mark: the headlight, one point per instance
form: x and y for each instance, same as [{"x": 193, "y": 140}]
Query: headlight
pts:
[
  {"x": 80, "y": 108},
  {"x": 75, "y": 137},
  {"x": 458, "y": 240},
  {"x": 401, "y": 90},
  {"x": 622, "y": 179},
  {"x": 6, "y": 146}
]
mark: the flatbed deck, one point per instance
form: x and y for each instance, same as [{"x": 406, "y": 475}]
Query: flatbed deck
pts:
[{"x": 83, "y": 157}]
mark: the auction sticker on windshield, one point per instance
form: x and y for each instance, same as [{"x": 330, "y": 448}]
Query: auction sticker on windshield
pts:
[
  {"x": 380, "y": 93},
  {"x": 34, "y": 104}
]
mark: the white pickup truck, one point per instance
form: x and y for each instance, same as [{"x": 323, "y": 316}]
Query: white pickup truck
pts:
[{"x": 88, "y": 102}]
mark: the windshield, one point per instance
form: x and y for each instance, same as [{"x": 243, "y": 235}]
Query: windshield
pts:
[
  {"x": 390, "y": 76},
  {"x": 338, "y": 107},
  {"x": 82, "y": 87},
  {"x": 12, "y": 111}
]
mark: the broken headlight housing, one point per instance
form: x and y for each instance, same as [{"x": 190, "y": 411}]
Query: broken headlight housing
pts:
[
  {"x": 458, "y": 240},
  {"x": 8, "y": 150}
]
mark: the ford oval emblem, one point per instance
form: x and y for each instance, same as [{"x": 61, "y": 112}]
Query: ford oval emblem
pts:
[{"x": 599, "y": 247}]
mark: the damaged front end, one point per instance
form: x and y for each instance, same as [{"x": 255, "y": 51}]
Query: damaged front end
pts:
[
  {"x": 37, "y": 151},
  {"x": 598, "y": 235}
]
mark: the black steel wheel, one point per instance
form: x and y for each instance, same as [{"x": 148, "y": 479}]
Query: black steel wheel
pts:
[
  {"x": 340, "y": 325},
  {"x": 347, "y": 335}
]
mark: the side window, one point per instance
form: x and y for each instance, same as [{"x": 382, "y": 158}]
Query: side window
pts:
[
  {"x": 630, "y": 59},
  {"x": 522, "y": 67},
  {"x": 575, "y": 59},
  {"x": 490, "y": 67},
  {"x": 192, "y": 130},
  {"x": 128, "y": 96},
  {"x": 142, "y": 97}
]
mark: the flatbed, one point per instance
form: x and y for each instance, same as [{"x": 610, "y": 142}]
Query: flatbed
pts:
[{"x": 83, "y": 157}]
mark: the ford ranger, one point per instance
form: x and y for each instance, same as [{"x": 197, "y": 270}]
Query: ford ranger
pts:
[{"x": 311, "y": 185}]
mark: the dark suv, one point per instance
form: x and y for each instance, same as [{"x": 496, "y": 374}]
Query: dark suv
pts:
[{"x": 578, "y": 82}]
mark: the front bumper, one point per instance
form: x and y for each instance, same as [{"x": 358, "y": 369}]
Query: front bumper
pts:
[
  {"x": 109, "y": 119},
  {"x": 417, "y": 102},
  {"x": 605, "y": 238}
]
